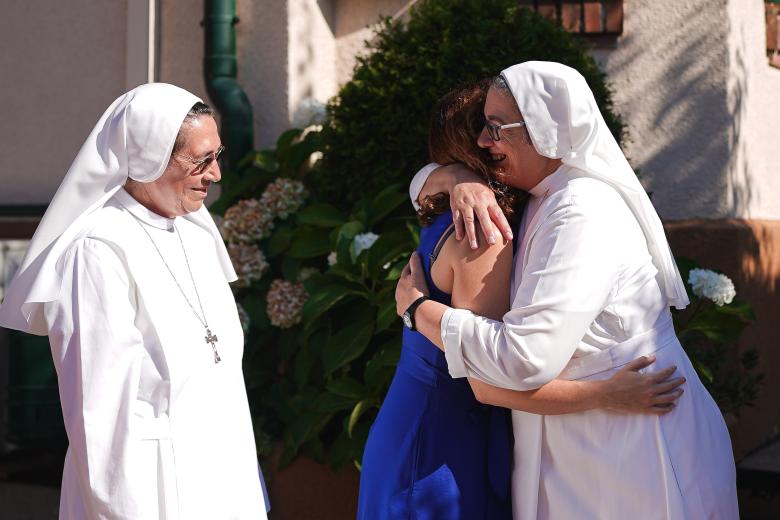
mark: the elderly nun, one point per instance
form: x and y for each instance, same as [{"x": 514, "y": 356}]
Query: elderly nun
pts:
[
  {"x": 592, "y": 284},
  {"x": 128, "y": 276}
]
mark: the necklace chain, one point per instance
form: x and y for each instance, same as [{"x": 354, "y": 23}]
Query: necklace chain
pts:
[{"x": 187, "y": 261}]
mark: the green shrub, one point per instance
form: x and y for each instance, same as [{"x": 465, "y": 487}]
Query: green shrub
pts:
[
  {"x": 377, "y": 127},
  {"x": 708, "y": 330}
]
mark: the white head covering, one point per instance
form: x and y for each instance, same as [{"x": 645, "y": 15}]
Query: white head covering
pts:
[
  {"x": 565, "y": 123},
  {"x": 134, "y": 138}
]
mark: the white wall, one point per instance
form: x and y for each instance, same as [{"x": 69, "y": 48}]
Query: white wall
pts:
[
  {"x": 62, "y": 64},
  {"x": 692, "y": 83},
  {"x": 753, "y": 90}
]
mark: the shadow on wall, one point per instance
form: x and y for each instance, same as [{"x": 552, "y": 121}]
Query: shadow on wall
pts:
[{"x": 683, "y": 103}]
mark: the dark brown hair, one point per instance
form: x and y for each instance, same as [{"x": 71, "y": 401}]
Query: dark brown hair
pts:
[{"x": 452, "y": 138}]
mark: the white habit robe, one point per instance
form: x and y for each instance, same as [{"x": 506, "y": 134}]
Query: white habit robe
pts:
[
  {"x": 585, "y": 300},
  {"x": 156, "y": 429}
]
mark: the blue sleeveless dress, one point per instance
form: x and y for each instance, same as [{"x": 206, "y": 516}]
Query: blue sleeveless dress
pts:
[{"x": 434, "y": 452}]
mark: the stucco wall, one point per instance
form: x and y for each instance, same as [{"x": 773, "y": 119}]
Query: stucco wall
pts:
[
  {"x": 355, "y": 22},
  {"x": 180, "y": 45},
  {"x": 692, "y": 82},
  {"x": 754, "y": 87},
  {"x": 669, "y": 74},
  {"x": 62, "y": 64}
]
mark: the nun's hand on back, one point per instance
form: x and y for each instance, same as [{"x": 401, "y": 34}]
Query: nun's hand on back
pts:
[{"x": 473, "y": 204}]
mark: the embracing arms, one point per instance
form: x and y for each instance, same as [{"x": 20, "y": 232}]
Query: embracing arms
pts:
[
  {"x": 479, "y": 292},
  {"x": 470, "y": 198}
]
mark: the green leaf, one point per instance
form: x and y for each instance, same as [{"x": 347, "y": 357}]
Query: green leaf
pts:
[
  {"x": 341, "y": 450},
  {"x": 347, "y": 387},
  {"x": 346, "y": 345},
  {"x": 380, "y": 368},
  {"x": 385, "y": 202},
  {"x": 703, "y": 370},
  {"x": 348, "y": 230},
  {"x": 331, "y": 403},
  {"x": 357, "y": 411},
  {"x": 304, "y": 361},
  {"x": 737, "y": 307},
  {"x": 308, "y": 243},
  {"x": 298, "y": 154},
  {"x": 279, "y": 241},
  {"x": 386, "y": 315},
  {"x": 322, "y": 215},
  {"x": 304, "y": 425},
  {"x": 287, "y": 343},
  {"x": 322, "y": 300},
  {"x": 284, "y": 143},
  {"x": 717, "y": 326},
  {"x": 266, "y": 160},
  {"x": 387, "y": 248}
]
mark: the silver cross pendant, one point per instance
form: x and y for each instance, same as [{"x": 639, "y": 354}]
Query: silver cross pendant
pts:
[{"x": 212, "y": 339}]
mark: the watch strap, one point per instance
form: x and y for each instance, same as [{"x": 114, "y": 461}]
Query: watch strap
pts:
[{"x": 411, "y": 310}]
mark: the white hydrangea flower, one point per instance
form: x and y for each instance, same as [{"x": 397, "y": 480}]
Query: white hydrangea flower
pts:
[
  {"x": 310, "y": 112},
  {"x": 363, "y": 241},
  {"x": 708, "y": 284},
  {"x": 332, "y": 258},
  {"x": 313, "y": 159}
]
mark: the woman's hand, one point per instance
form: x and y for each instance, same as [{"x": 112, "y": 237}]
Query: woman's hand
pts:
[
  {"x": 411, "y": 285},
  {"x": 471, "y": 200},
  {"x": 631, "y": 391}
]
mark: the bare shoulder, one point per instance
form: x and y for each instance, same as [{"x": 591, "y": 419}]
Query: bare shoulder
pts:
[{"x": 459, "y": 253}]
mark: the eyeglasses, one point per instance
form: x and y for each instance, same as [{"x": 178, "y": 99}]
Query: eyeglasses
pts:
[
  {"x": 494, "y": 130},
  {"x": 202, "y": 164}
]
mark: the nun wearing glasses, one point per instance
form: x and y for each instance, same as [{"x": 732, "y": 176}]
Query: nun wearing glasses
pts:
[
  {"x": 591, "y": 287},
  {"x": 128, "y": 276}
]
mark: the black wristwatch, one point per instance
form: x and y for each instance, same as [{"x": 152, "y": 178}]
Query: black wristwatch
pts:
[{"x": 408, "y": 316}]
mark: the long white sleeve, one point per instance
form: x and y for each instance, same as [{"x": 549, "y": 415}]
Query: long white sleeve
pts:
[
  {"x": 418, "y": 182},
  {"x": 572, "y": 268},
  {"x": 98, "y": 353}
]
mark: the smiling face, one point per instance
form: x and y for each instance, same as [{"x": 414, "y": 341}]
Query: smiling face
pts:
[
  {"x": 514, "y": 159},
  {"x": 183, "y": 186}
]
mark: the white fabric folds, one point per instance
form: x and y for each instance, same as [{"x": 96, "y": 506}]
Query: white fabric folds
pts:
[
  {"x": 565, "y": 123},
  {"x": 134, "y": 138}
]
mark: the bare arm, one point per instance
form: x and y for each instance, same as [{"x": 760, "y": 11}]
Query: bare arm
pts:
[
  {"x": 472, "y": 203},
  {"x": 626, "y": 391},
  {"x": 480, "y": 285}
]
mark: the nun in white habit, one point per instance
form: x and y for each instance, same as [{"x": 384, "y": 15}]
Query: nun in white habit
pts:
[
  {"x": 128, "y": 276},
  {"x": 591, "y": 288}
]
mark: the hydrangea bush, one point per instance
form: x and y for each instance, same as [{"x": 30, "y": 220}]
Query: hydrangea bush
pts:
[
  {"x": 709, "y": 330},
  {"x": 315, "y": 291}
]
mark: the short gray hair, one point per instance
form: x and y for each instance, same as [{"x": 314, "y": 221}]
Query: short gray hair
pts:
[
  {"x": 199, "y": 109},
  {"x": 499, "y": 83}
]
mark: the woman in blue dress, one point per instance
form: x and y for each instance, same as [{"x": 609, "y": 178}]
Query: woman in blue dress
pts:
[{"x": 435, "y": 451}]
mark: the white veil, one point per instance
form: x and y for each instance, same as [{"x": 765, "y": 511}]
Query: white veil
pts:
[
  {"x": 565, "y": 123},
  {"x": 134, "y": 138}
]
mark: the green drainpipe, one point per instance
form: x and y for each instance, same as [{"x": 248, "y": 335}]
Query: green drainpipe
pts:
[{"x": 220, "y": 69}]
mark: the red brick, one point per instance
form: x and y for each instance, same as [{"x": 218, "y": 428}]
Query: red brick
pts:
[
  {"x": 570, "y": 16},
  {"x": 593, "y": 19},
  {"x": 614, "y": 16}
]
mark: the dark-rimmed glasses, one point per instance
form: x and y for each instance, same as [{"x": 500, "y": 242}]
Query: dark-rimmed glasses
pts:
[
  {"x": 202, "y": 164},
  {"x": 494, "y": 130}
]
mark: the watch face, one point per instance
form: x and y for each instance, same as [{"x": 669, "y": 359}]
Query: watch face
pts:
[{"x": 407, "y": 320}]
